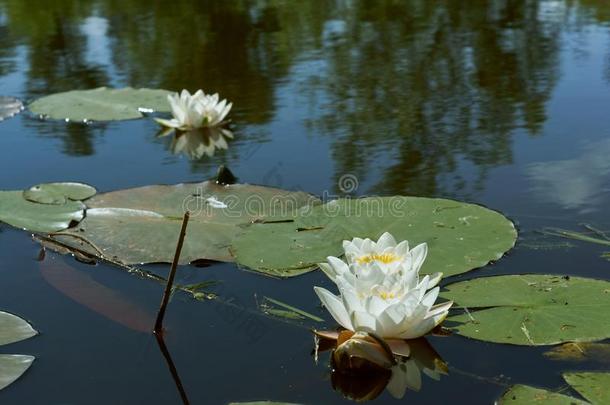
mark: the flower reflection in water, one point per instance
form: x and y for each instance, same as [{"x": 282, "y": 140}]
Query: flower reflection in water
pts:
[
  {"x": 363, "y": 365},
  {"x": 200, "y": 142}
]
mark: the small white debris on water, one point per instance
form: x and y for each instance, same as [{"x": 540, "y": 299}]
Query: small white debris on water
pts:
[{"x": 214, "y": 202}]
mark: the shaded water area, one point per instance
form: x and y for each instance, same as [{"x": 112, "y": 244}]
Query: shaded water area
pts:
[{"x": 502, "y": 103}]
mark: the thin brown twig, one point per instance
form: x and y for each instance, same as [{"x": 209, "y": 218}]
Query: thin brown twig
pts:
[{"x": 170, "y": 279}]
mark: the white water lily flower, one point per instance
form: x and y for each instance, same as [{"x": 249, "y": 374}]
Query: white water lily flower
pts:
[
  {"x": 380, "y": 289},
  {"x": 369, "y": 262},
  {"x": 195, "y": 111}
]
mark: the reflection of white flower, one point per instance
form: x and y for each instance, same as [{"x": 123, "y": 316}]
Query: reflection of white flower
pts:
[
  {"x": 197, "y": 143},
  {"x": 380, "y": 290},
  {"x": 363, "y": 367},
  {"x": 195, "y": 111},
  {"x": 406, "y": 373}
]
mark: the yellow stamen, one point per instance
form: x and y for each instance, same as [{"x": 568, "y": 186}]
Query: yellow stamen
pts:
[
  {"x": 385, "y": 295},
  {"x": 384, "y": 258}
]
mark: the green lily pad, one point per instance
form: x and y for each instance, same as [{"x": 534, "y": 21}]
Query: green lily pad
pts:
[
  {"x": 532, "y": 309},
  {"x": 526, "y": 395},
  {"x": 12, "y": 366},
  {"x": 460, "y": 236},
  {"x": 21, "y": 213},
  {"x": 58, "y": 193},
  {"x": 141, "y": 225},
  {"x": 595, "y": 387},
  {"x": 14, "y": 329},
  {"x": 101, "y": 104},
  {"x": 9, "y": 106}
]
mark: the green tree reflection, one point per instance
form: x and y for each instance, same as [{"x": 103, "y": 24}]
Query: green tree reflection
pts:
[{"x": 422, "y": 94}]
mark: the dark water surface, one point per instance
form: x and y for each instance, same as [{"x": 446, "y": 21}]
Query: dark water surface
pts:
[{"x": 503, "y": 103}]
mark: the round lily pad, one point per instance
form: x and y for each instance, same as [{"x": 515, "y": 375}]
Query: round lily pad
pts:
[
  {"x": 532, "y": 309},
  {"x": 21, "y": 213},
  {"x": 593, "y": 386},
  {"x": 58, "y": 193},
  {"x": 460, "y": 236},
  {"x": 141, "y": 225},
  {"x": 101, "y": 104},
  {"x": 12, "y": 366}
]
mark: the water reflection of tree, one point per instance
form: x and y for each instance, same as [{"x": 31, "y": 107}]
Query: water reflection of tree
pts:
[
  {"x": 437, "y": 84},
  {"x": 240, "y": 49},
  {"x": 417, "y": 90}
]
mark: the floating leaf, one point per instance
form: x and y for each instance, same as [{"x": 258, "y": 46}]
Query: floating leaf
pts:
[
  {"x": 141, "y": 225},
  {"x": 526, "y": 395},
  {"x": 21, "y": 213},
  {"x": 14, "y": 329},
  {"x": 289, "y": 311},
  {"x": 532, "y": 309},
  {"x": 12, "y": 366},
  {"x": 595, "y": 387},
  {"x": 582, "y": 236},
  {"x": 101, "y": 104},
  {"x": 460, "y": 236},
  {"x": 580, "y": 351},
  {"x": 58, "y": 193},
  {"x": 9, "y": 106}
]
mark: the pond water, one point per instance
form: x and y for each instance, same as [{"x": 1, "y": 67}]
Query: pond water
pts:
[{"x": 502, "y": 103}]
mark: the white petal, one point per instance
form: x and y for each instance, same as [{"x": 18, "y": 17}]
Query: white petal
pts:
[
  {"x": 335, "y": 307},
  {"x": 363, "y": 321},
  {"x": 435, "y": 278},
  {"x": 177, "y": 108},
  {"x": 419, "y": 254},
  {"x": 328, "y": 270},
  {"x": 402, "y": 248},
  {"x": 225, "y": 111},
  {"x": 338, "y": 265},
  {"x": 351, "y": 302},
  {"x": 439, "y": 309},
  {"x": 419, "y": 329},
  {"x": 173, "y": 123},
  {"x": 385, "y": 241},
  {"x": 375, "y": 305},
  {"x": 430, "y": 297}
]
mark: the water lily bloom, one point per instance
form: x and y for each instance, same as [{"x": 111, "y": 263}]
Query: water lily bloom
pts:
[
  {"x": 195, "y": 111},
  {"x": 380, "y": 289}
]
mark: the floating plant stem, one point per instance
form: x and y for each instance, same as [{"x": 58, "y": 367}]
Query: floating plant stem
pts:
[
  {"x": 170, "y": 279},
  {"x": 576, "y": 235},
  {"x": 290, "y": 308}
]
